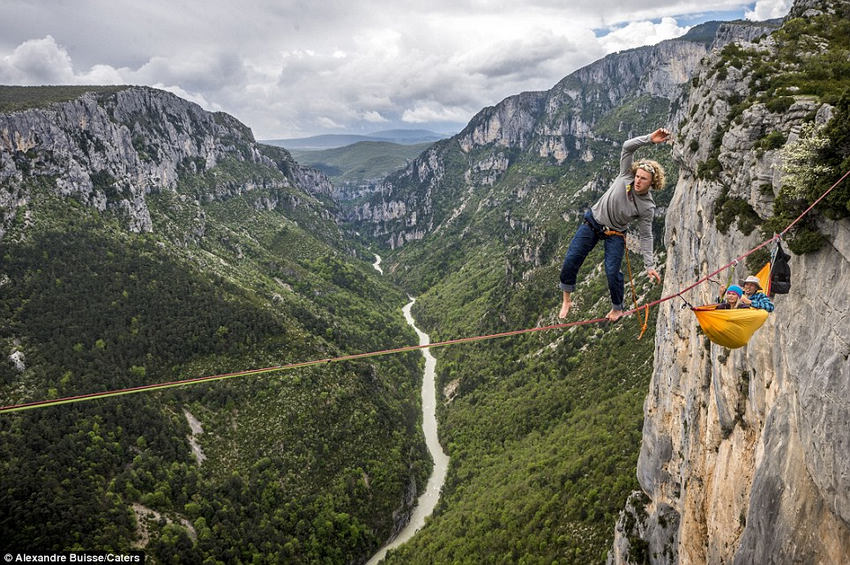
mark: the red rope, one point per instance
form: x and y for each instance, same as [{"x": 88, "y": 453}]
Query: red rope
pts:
[
  {"x": 197, "y": 380},
  {"x": 160, "y": 386}
]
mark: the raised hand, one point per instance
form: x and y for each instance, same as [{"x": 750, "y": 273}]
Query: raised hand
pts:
[{"x": 660, "y": 135}]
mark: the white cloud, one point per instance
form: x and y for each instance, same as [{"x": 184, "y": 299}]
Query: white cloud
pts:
[
  {"x": 101, "y": 74},
  {"x": 292, "y": 68},
  {"x": 640, "y": 33},
  {"x": 768, "y": 9},
  {"x": 374, "y": 117},
  {"x": 328, "y": 122},
  {"x": 190, "y": 96},
  {"x": 37, "y": 61},
  {"x": 434, "y": 112}
]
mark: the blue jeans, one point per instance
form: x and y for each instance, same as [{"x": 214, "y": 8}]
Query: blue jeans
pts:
[{"x": 588, "y": 235}]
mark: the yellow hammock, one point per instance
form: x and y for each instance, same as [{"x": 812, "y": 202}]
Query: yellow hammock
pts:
[{"x": 733, "y": 328}]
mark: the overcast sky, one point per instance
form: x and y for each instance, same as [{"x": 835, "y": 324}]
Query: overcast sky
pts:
[{"x": 294, "y": 68}]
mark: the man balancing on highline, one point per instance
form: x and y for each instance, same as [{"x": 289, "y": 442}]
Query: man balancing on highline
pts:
[{"x": 628, "y": 198}]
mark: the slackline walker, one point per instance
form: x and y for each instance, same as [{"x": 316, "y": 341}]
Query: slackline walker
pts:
[{"x": 198, "y": 380}]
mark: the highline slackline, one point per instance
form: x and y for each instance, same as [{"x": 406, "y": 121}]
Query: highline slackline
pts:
[{"x": 352, "y": 357}]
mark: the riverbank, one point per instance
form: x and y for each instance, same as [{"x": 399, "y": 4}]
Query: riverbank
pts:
[{"x": 430, "y": 496}]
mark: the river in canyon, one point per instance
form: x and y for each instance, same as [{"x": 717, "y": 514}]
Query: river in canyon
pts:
[{"x": 428, "y": 499}]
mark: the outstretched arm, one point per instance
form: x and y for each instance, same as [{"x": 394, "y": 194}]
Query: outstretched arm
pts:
[{"x": 630, "y": 146}]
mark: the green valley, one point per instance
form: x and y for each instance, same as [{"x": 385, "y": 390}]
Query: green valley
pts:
[{"x": 306, "y": 465}]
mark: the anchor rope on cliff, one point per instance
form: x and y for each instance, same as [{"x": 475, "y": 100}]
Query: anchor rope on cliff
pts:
[{"x": 355, "y": 356}]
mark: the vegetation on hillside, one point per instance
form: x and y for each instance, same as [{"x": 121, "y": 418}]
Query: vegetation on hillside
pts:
[
  {"x": 307, "y": 465},
  {"x": 812, "y": 165},
  {"x": 15, "y": 98},
  {"x": 543, "y": 430},
  {"x": 360, "y": 162},
  {"x": 810, "y": 59}
]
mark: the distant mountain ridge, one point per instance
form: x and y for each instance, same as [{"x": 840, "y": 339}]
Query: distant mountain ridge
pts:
[
  {"x": 333, "y": 140},
  {"x": 355, "y": 169},
  {"x": 581, "y": 119}
]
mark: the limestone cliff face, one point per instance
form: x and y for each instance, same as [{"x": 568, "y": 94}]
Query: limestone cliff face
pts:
[
  {"x": 553, "y": 126},
  {"x": 110, "y": 151},
  {"x": 745, "y": 452}
]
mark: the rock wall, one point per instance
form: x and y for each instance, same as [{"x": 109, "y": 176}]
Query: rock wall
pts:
[
  {"x": 744, "y": 456},
  {"x": 110, "y": 151}
]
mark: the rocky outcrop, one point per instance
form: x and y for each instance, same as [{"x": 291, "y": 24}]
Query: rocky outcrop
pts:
[
  {"x": 809, "y": 8},
  {"x": 742, "y": 32},
  {"x": 744, "y": 456},
  {"x": 509, "y": 124},
  {"x": 110, "y": 150}
]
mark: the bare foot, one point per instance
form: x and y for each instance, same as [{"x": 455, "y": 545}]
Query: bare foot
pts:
[
  {"x": 565, "y": 309},
  {"x": 614, "y": 315}
]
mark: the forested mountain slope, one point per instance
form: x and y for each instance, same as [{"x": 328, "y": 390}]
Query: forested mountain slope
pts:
[{"x": 144, "y": 240}]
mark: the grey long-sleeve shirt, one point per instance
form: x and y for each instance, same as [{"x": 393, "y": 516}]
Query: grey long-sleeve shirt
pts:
[{"x": 618, "y": 207}]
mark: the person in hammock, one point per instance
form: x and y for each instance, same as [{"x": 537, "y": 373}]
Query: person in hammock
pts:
[
  {"x": 733, "y": 299},
  {"x": 753, "y": 297},
  {"x": 627, "y": 199}
]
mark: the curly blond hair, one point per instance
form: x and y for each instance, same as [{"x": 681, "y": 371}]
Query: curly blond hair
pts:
[{"x": 658, "y": 177}]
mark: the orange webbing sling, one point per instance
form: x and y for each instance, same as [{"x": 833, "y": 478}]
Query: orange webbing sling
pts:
[{"x": 610, "y": 232}]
